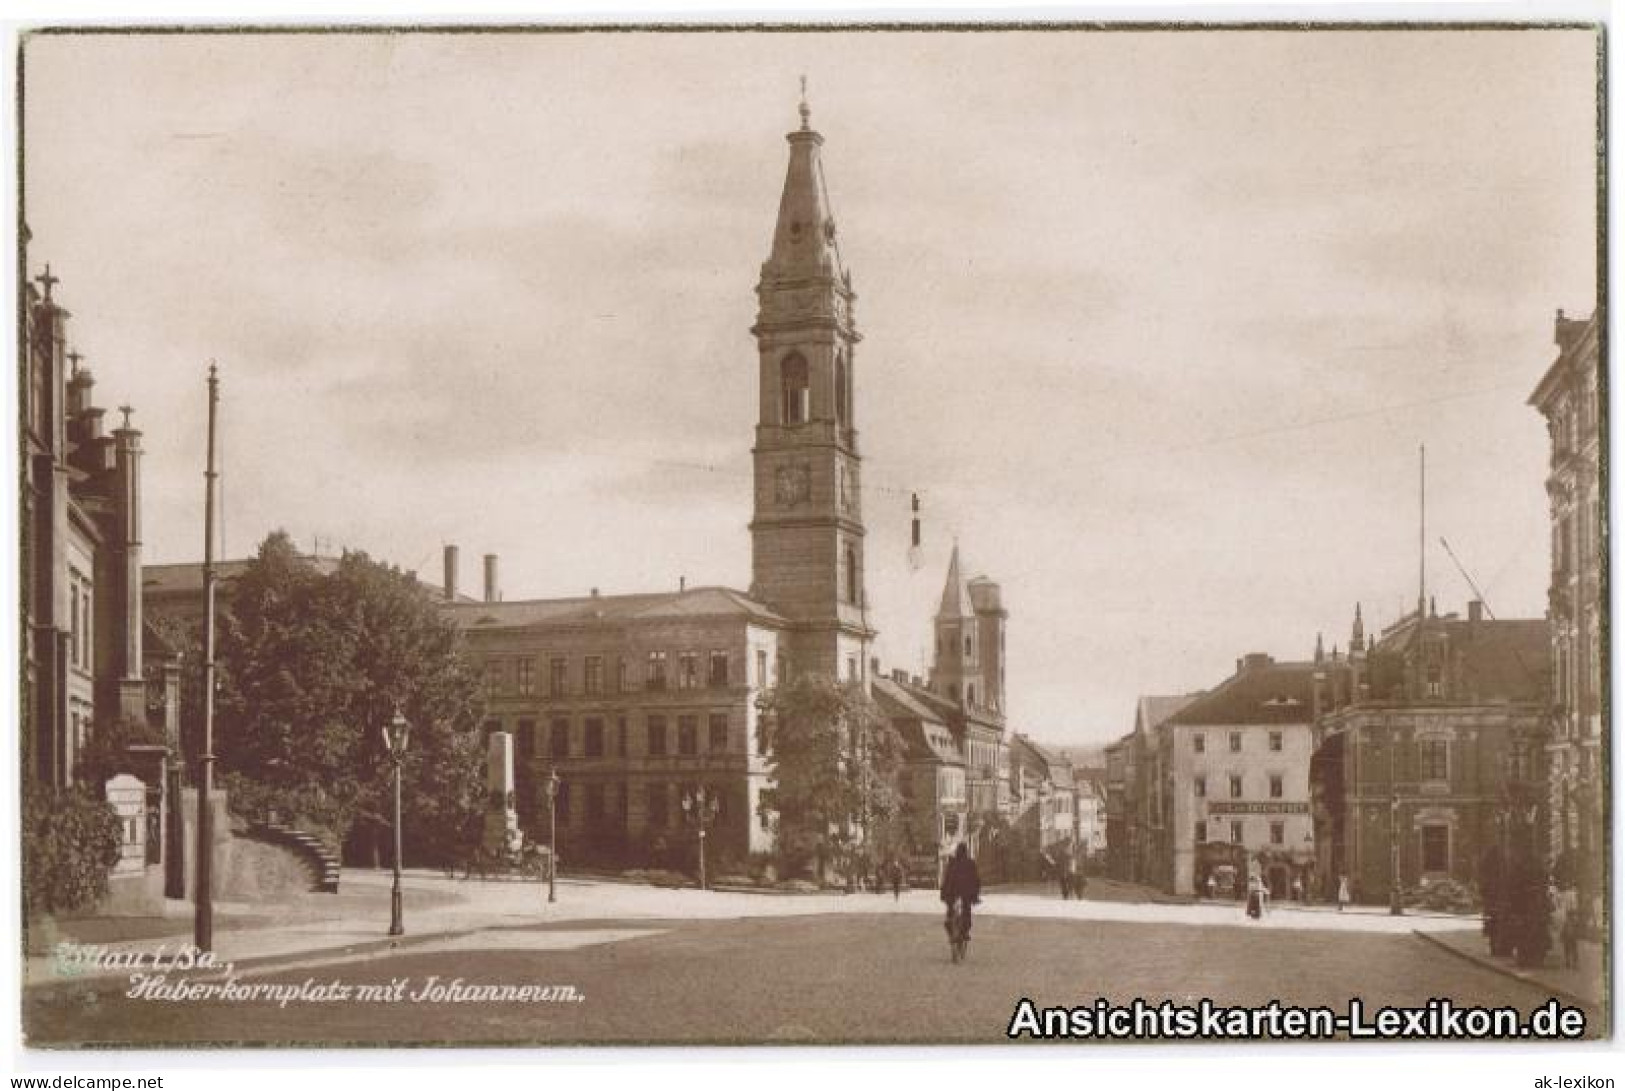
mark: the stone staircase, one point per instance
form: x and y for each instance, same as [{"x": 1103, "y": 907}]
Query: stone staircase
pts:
[{"x": 322, "y": 860}]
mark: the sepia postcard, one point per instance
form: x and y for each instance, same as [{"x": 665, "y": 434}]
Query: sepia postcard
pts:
[{"x": 744, "y": 535}]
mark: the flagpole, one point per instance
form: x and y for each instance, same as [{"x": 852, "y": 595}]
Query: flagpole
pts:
[{"x": 203, "y": 919}]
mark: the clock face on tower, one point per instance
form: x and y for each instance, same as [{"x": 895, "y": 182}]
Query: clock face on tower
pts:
[{"x": 792, "y": 485}]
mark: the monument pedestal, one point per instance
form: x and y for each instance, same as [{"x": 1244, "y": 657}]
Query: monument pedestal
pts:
[{"x": 502, "y": 834}]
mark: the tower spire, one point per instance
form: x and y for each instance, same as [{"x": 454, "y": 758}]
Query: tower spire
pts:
[
  {"x": 955, "y": 595},
  {"x": 806, "y": 111}
]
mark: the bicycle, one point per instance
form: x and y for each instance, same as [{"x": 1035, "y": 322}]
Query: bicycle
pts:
[{"x": 958, "y": 928}]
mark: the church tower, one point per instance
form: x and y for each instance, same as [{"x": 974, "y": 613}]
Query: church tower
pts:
[{"x": 807, "y": 531}]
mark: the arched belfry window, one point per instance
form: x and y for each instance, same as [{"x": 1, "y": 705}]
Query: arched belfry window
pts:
[
  {"x": 797, "y": 392},
  {"x": 851, "y": 575},
  {"x": 842, "y": 391}
]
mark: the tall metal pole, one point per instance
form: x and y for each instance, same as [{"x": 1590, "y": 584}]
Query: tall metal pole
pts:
[
  {"x": 396, "y": 926},
  {"x": 1422, "y": 536},
  {"x": 1396, "y": 906},
  {"x": 203, "y": 901}
]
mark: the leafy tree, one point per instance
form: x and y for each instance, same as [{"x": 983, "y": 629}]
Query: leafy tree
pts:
[
  {"x": 71, "y": 840},
  {"x": 311, "y": 668},
  {"x": 834, "y": 760}
]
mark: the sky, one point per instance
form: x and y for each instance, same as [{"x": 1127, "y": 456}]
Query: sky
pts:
[{"x": 1155, "y": 323}]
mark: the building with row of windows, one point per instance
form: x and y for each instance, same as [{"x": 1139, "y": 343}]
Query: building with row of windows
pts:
[
  {"x": 88, "y": 657},
  {"x": 1577, "y": 785}
]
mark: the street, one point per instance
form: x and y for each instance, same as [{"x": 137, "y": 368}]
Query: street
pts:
[{"x": 869, "y": 971}]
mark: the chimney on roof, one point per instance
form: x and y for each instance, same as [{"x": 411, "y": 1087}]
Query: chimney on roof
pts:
[
  {"x": 874, "y": 666},
  {"x": 1475, "y": 611},
  {"x": 682, "y": 584},
  {"x": 1254, "y": 660},
  {"x": 492, "y": 592},
  {"x": 899, "y": 675},
  {"x": 451, "y": 573},
  {"x": 595, "y": 592}
]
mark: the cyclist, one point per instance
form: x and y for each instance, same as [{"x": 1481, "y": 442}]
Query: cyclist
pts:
[{"x": 961, "y": 886}]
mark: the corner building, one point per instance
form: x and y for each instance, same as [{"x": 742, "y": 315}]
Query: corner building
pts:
[{"x": 638, "y": 700}]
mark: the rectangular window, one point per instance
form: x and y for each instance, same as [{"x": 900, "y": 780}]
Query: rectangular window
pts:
[
  {"x": 657, "y": 806},
  {"x": 595, "y": 804},
  {"x": 1235, "y": 742},
  {"x": 688, "y": 735},
  {"x": 1435, "y": 758},
  {"x": 718, "y": 675},
  {"x": 656, "y": 678},
  {"x": 526, "y": 743},
  {"x": 1201, "y": 787},
  {"x": 1277, "y": 786},
  {"x": 761, "y": 669},
  {"x": 1275, "y": 741},
  {"x": 592, "y": 680},
  {"x": 688, "y": 670},
  {"x": 526, "y": 668},
  {"x": 558, "y": 677},
  {"x": 1277, "y": 833},
  {"x": 493, "y": 679},
  {"x": 657, "y": 737},
  {"x": 625, "y": 799},
  {"x": 592, "y": 741},
  {"x": 620, "y": 736},
  {"x": 623, "y": 675},
  {"x": 1199, "y": 835},
  {"x": 1235, "y": 786},
  {"x": 558, "y": 741},
  {"x": 1199, "y": 743},
  {"x": 1436, "y": 848},
  {"x": 717, "y": 732},
  {"x": 1235, "y": 832},
  {"x": 851, "y": 668}
]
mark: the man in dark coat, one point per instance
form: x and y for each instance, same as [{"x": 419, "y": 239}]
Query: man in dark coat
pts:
[{"x": 961, "y": 883}]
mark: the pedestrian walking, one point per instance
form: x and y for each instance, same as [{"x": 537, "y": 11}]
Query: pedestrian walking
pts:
[
  {"x": 1069, "y": 878},
  {"x": 1212, "y": 887},
  {"x": 1297, "y": 889},
  {"x": 896, "y": 880},
  {"x": 1568, "y": 928},
  {"x": 1255, "y": 898},
  {"x": 1342, "y": 892}
]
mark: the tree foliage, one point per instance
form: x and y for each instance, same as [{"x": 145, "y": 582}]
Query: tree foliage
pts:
[
  {"x": 107, "y": 753},
  {"x": 834, "y": 761},
  {"x": 311, "y": 667},
  {"x": 71, "y": 840}
]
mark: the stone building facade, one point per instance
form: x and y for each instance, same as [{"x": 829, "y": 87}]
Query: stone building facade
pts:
[
  {"x": 1231, "y": 779},
  {"x": 83, "y": 660},
  {"x": 1432, "y": 755},
  {"x": 1578, "y": 784}
]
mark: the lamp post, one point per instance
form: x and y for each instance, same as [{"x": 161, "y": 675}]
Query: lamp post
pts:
[
  {"x": 1396, "y": 905},
  {"x": 700, "y": 806},
  {"x": 552, "y": 834},
  {"x": 395, "y": 740}
]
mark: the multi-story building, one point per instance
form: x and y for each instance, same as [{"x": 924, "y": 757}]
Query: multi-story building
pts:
[
  {"x": 1567, "y": 396},
  {"x": 82, "y": 627},
  {"x": 1429, "y": 757},
  {"x": 88, "y": 659},
  {"x": 1043, "y": 803},
  {"x": 968, "y": 670},
  {"x": 936, "y": 803},
  {"x": 1231, "y": 779},
  {"x": 1092, "y": 830},
  {"x": 1136, "y": 794}
]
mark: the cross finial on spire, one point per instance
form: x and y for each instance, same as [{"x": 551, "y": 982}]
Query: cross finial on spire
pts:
[
  {"x": 126, "y": 410},
  {"x": 48, "y": 280},
  {"x": 806, "y": 111}
]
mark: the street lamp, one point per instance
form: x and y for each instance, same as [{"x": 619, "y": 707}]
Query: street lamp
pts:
[
  {"x": 552, "y": 834},
  {"x": 700, "y": 807},
  {"x": 1396, "y": 905},
  {"x": 395, "y": 740}
]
